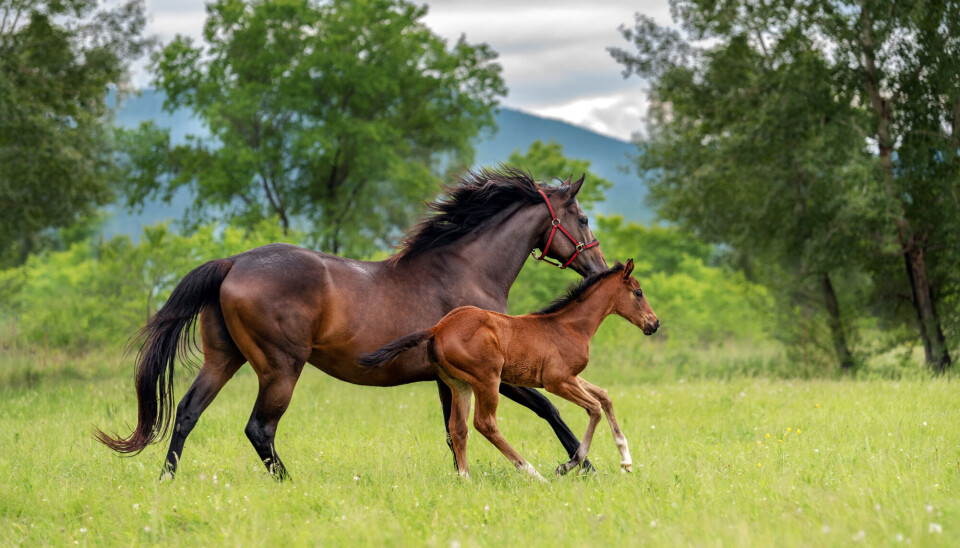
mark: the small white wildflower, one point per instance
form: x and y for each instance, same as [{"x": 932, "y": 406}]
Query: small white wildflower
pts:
[
  {"x": 486, "y": 507},
  {"x": 83, "y": 529},
  {"x": 816, "y": 450},
  {"x": 136, "y": 506},
  {"x": 825, "y": 529},
  {"x": 653, "y": 523},
  {"x": 929, "y": 508},
  {"x": 899, "y": 537},
  {"x": 454, "y": 544},
  {"x": 935, "y": 528},
  {"x": 652, "y": 427},
  {"x": 146, "y": 528},
  {"x": 861, "y": 534}
]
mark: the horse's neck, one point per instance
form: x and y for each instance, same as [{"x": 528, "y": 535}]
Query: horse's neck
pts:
[{"x": 491, "y": 257}]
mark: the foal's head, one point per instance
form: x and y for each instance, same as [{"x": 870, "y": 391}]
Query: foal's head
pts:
[{"x": 630, "y": 303}]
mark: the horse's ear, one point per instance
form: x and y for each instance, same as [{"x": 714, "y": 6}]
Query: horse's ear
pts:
[
  {"x": 628, "y": 268},
  {"x": 575, "y": 187}
]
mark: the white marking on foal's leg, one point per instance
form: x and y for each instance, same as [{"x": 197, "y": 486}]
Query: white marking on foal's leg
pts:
[
  {"x": 528, "y": 468},
  {"x": 626, "y": 463}
]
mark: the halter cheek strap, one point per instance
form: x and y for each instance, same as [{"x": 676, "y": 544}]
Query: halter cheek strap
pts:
[{"x": 555, "y": 224}]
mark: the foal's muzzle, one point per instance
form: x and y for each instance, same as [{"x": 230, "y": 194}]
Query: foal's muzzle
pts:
[{"x": 651, "y": 328}]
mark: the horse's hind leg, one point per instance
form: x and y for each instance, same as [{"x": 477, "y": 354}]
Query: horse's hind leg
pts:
[
  {"x": 626, "y": 463},
  {"x": 221, "y": 359},
  {"x": 278, "y": 372}
]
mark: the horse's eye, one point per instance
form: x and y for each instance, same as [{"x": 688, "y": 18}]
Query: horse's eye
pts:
[
  {"x": 583, "y": 221},
  {"x": 638, "y": 293}
]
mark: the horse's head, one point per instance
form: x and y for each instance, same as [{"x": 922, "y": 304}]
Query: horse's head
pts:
[
  {"x": 631, "y": 304},
  {"x": 567, "y": 239}
]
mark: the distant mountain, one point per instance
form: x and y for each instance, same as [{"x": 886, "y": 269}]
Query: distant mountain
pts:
[{"x": 517, "y": 130}]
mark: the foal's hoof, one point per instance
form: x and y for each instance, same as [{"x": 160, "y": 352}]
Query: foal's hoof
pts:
[
  {"x": 564, "y": 468},
  {"x": 626, "y": 468}
]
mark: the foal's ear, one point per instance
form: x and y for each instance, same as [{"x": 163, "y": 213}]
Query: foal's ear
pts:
[
  {"x": 575, "y": 186},
  {"x": 628, "y": 268}
]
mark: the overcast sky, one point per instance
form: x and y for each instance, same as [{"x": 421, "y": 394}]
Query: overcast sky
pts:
[{"x": 553, "y": 53}]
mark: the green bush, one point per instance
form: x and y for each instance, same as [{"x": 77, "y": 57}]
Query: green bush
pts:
[{"x": 101, "y": 292}]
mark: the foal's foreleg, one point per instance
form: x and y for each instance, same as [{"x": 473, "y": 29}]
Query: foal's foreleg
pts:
[
  {"x": 532, "y": 399},
  {"x": 626, "y": 464},
  {"x": 569, "y": 389}
]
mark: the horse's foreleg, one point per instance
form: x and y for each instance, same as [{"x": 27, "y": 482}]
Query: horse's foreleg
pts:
[
  {"x": 445, "y": 403},
  {"x": 532, "y": 399},
  {"x": 569, "y": 389},
  {"x": 626, "y": 463}
]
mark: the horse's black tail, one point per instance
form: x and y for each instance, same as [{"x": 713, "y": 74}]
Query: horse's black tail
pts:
[
  {"x": 392, "y": 350},
  {"x": 161, "y": 343}
]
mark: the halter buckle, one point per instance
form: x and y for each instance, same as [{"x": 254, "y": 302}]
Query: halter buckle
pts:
[{"x": 555, "y": 222}]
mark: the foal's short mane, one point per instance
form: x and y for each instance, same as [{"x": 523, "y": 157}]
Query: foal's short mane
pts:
[
  {"x": 576, "y": 290},
  {"x": 476, "y": 196}
]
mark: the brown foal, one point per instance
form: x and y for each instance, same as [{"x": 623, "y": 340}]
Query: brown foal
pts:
[{"x": 475, "y": 350}]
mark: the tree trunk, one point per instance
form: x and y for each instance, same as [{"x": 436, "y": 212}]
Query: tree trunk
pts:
[
  {"x": 934, "y": 343},
  {"x": 835, "y": 322}
]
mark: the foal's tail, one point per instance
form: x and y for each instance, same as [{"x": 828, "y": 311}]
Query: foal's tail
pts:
[
  {"x": 161, "y": 343},
  {"x": 392, "y": 350}
]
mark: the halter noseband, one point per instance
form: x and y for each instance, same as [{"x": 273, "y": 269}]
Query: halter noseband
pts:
[{"x": 555, "y": 223}]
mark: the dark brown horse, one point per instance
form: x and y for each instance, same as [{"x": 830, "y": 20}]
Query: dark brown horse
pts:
[
  {"x": 475, "y": 351},
  {"x": 280, "y": 306}
]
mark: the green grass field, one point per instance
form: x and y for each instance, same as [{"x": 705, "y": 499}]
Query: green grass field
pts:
[{"x": 737, "y": 461}]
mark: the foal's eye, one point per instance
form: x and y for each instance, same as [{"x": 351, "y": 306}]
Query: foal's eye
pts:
[
  {"x": 583, "y": 221},
  {"x": 638, "y": 293}
]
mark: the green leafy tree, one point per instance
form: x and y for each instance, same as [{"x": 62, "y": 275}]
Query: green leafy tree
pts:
[
  {"x": 338, "y": 117},
  {"x": 749, "y": 148},
  {"x": 547, "y": 161},
  {"x": 100, "y": 292},
  {"x": 57, "y": 58},
  {"x": 761, "y": 139}
]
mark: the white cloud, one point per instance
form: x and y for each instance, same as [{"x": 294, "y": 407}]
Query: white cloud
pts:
[
  {"x": 553, "y": 52},
  {"x": 618, "y": 114}
]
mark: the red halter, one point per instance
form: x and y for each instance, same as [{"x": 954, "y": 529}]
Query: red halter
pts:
[{"x": 555, "y": 222}]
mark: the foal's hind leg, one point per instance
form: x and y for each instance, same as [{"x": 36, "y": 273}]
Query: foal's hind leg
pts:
[
  {"x": 569, "y": 389},
  {"x": 626, "y": 463},
  {"x": 221, "y": 359},
  {"x": 485, "y": 421},
  {"x": 457, "y": 425}
]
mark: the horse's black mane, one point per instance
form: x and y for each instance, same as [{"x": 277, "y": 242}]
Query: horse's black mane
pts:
[
  {"x": 476, "y": 196},
  {"x": 576, "y": 291}
]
